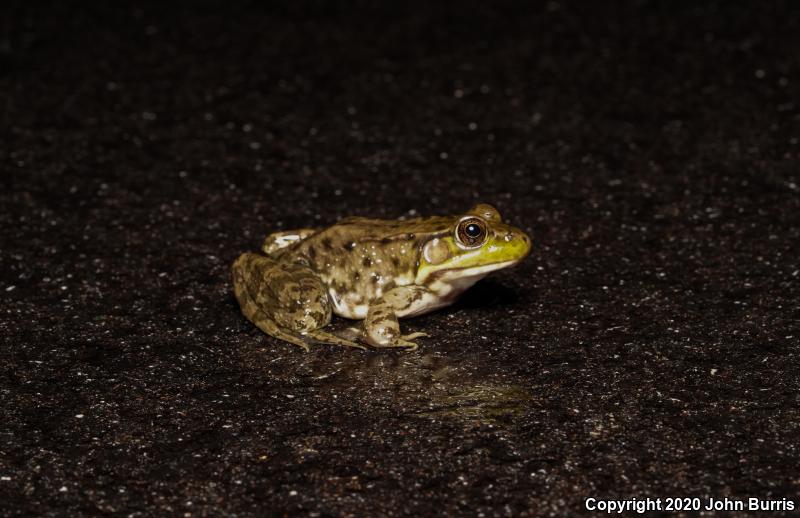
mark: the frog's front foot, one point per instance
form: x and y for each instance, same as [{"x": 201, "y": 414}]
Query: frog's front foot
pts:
[
  {"x": 382, "y": 331},
  {"x": 381, "y": 326},
  {"x": 380, "y": 339},
  {"x": 405, "y": 341}
]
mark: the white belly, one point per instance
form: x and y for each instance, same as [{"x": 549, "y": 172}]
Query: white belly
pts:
[{"x": 440, "y": 293}]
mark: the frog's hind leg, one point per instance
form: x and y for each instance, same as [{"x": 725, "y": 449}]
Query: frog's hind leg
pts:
[
  {"x": 285, "y": 300},
  {"x": 245, "y": 279},
  {"x": 278, "y": 240}
]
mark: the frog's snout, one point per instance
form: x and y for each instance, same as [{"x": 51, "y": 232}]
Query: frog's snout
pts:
[
  {"x": 518, "y": 240},
  {"x": 510, "y": 235}
]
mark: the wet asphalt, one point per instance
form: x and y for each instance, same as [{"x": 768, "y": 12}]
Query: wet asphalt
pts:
[{"x": 648, "y": 347}]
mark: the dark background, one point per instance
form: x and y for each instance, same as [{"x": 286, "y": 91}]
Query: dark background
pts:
[{"x": 647, "y": 347}]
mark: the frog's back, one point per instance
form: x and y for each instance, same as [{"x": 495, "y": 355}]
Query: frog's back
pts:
[
  {"x": 385, "y": 230},
  {"x": 350, "y": 232},
  {"x": 361, "y": 258}
]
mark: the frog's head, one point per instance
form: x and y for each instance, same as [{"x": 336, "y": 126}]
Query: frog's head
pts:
[{"x": 477, "y": 243}]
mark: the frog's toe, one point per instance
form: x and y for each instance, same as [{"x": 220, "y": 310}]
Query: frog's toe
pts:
[
  {"x": 330, "y": 338},
  {"x": 399, "y": 342},
  {"x": 304, "y": 346},
  {"x": 292, "y": 339},
  {"x": 418, "y": 334},
  {"x": 402, "y": 343},
  {"x": 352, "y": 333}
]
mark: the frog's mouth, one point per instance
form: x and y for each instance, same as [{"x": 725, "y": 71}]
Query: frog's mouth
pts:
[{"x": 469, "y": 274}]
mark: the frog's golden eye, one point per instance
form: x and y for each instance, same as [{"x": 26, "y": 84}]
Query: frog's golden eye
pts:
[{"x": 471, "y": 232}]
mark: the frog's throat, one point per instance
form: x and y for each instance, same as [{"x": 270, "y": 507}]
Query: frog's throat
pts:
[{"x": 467, "y": 275}]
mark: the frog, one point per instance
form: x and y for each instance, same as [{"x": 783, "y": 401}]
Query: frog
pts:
[{"x": 373, "y": 270}]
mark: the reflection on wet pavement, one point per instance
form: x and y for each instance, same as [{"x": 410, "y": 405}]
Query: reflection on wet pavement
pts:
[
  {"x": 485, "y": 404},
  {"x": 427, "y": 384}
]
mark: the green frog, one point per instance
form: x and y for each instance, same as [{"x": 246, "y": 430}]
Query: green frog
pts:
[{"x": 371, "y": 269}]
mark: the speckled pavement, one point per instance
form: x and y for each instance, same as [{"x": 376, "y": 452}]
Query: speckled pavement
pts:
[{"x": 648, "y": 347}]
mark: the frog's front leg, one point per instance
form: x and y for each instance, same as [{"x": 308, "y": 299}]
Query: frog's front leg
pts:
[{"x": 381, "y": 326}]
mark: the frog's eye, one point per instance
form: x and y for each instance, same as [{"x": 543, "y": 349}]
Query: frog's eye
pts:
[{"x": 471, "y": 232}]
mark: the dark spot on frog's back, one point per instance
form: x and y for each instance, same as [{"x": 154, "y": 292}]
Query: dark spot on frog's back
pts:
[
  {"x": 395, "y": 262},
  {"x": 411, "y": 236},
  {"x": 367, "y": 262},
  {"x": 327, "y": 243},
  {"x": 350, "y": 245},
  {"x": 355, "y": 277},
  {"x": 312, "y": 252}
]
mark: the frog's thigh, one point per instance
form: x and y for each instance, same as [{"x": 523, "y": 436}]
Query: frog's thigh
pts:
[
  {"x": 381, "y": 326},
  {"x": 278, "y": 240},
  {"x": 283, "y": 300}
]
